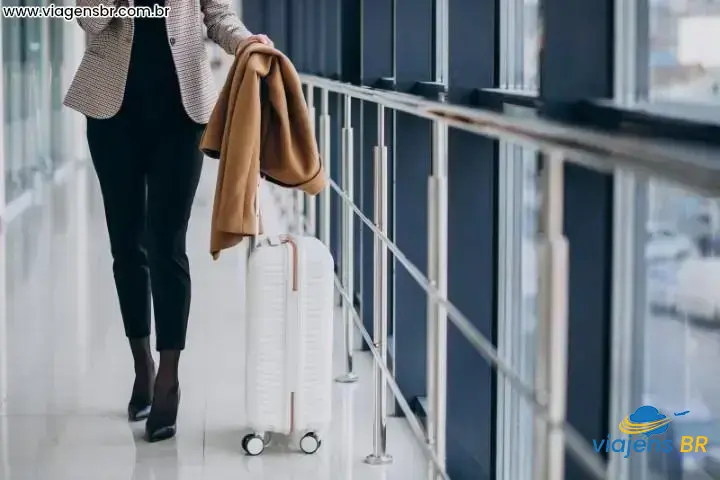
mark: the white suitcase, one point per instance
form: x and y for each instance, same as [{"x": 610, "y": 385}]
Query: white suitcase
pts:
[{"x": 290, "y": 284}]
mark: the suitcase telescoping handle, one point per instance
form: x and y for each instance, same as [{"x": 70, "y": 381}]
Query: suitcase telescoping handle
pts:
[
  {"x": 275, "y": 240},
  {"x": 256, "y": 238},
  {"x": 259, "y": 238}
]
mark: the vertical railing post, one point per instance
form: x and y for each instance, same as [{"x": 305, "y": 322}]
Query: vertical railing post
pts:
[
  {"x": 436, "y": 315},
  {"x": 347, "y": 244},
  {"x": 551, "y": 366},
  {"x": 327, "y": 164},
  {"x": 625, "y": 297},
  {"x": 437, "y": 257},
  {"x": 380, "y": 297},
  {"x": 297, "y": 209},
  {"x": 308, "y": 201}
]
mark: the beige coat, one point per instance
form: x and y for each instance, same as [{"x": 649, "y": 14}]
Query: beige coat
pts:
[{"x": 252, "y": 133}]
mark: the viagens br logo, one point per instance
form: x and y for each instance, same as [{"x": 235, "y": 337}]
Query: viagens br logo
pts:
[{"x": 644, "y": 432}]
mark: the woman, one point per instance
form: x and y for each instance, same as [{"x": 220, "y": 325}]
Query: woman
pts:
[{"x": 147, "y": 90}]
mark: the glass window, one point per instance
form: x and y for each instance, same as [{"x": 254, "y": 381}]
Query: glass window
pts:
[
  {"x": 676, "y": 342},
  {"x": 532, "y": 38},
  {"x": 519, "y": 43},
  {"x": 57, "y": 47},
  {"x": 518, "y": 208},
  {"x": 34, "y": 120},
  {"x": 682, "y": 63},
  {"x": 667, "y": 344},
  {"x": 518, "y": 286},
  {"x": 15, "y": 179}
]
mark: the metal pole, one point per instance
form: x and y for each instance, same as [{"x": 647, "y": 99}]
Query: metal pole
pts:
[
  {"x": 442, "y": 35},
  {"x": 309, "y": 202},
  {"x": 551, "y": 367},
  {"x": 310, "y": 101},
  {"x": 436, "y": 314},
  {"x": 380, "y": 298},
  {"x": 347, "y": 263},
  {"x": 437, "y": 257},
  {"x": 297, "y": 209},
  {"x": 327, "y": 164},
  {"x": 625, "y": 296}
]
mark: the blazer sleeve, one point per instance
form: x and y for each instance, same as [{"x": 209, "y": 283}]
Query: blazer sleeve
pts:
[
  {"x": 95, "y": 25},
  {"x": 223, "y": 25}
]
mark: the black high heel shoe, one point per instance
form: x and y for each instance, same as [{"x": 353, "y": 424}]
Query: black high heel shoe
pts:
[
  {"x": 142, "y": 394},
  {"x": 141, "y": 398},
  {"x": 162, "y": 421}
]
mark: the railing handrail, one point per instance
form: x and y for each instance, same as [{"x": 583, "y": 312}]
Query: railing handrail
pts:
[
  {"x": 692, "y": 165},
  {"x": 481, "y": 345},
  {"x": 548, "y": 399}
]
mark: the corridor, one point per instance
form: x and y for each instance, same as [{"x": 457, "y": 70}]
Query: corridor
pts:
[
  {"x": 66, "y": 371},
  {"x": 523, "y": 209}
]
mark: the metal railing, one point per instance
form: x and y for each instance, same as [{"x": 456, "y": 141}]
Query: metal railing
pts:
[{"x": 690, "y": 165}]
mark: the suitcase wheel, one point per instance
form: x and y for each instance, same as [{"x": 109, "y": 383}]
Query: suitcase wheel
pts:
[
  {"x": 253, "y": 444},
  {"x": 310, "y": 443}
]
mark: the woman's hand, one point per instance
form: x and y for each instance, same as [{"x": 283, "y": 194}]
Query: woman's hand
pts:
[{"x": 259, "y": 38}]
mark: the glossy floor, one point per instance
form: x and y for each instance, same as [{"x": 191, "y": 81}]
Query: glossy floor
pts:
[{"x": 66, "y": 373}]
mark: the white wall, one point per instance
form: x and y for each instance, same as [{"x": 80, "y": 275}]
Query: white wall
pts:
[{"x": 2, "y": 142}]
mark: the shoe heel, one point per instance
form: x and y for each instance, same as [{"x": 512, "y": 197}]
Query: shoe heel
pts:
[{"x": 136, "y": 414}]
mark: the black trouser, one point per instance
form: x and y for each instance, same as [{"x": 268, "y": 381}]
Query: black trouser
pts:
[{"x": 149, "y": 169}]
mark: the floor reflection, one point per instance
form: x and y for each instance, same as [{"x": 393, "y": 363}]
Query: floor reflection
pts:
[
  {"x": 66, "y": 370},
  {"x": 4, "y": 453},
  {"x": 157, "y": 463},
  {"x": 46, "y": 290}
]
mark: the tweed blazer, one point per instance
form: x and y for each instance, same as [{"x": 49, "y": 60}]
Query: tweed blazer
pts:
[{"x": 98, "y": 88}]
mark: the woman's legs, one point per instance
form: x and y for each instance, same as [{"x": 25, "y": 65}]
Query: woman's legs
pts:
[
  {"x": 175, "y": 164},
  {"x": 149, "y": 173},
  {"x": 174, "y": 170},
  {"x": 122, "y": 175}
]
